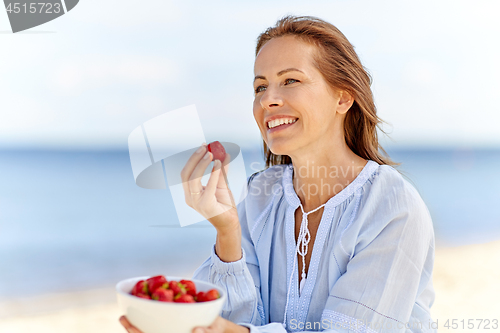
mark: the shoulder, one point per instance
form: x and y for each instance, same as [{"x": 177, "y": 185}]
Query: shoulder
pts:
[
  {"x": 389, "y": 202},
  {"x": 388, "y": 187}
]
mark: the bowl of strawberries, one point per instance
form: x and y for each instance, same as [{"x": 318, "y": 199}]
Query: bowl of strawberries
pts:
[{"x": 162, "y": 304}]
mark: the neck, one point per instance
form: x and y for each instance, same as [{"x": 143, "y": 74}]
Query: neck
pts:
[{"x": 317, "y": 177}]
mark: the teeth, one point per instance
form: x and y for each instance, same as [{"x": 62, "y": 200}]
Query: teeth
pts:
[{"x": 277, "y": 122}]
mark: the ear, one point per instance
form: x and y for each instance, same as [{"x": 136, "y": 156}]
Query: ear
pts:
[{"x": 345, "y": 102}]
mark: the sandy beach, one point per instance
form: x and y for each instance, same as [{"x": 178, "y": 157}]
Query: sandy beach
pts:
[{"x": 465, "y": 280}]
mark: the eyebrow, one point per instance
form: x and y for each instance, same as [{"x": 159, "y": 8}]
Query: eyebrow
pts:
[{"x": 279, "y": 73}]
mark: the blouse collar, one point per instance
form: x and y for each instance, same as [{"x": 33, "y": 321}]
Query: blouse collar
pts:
[{"x": 294, "y": 201}]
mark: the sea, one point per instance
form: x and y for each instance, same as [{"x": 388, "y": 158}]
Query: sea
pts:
[{"x": 76, "y": 220}]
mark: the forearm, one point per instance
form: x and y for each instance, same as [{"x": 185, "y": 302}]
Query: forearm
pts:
[{"x": 228, "y": 244}]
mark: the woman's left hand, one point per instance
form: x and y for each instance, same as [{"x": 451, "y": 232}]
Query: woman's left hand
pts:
[{"x": 221, "y": 325}]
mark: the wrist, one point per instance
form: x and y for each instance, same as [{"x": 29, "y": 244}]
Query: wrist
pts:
[
  {"x": 228, "y": 246},
  {"x": 229, "y": 231}
]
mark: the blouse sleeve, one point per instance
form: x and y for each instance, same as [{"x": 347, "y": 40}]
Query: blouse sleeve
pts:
[
  {"x": 389, "y": 251},
  {"x": 240, "y": 279}
]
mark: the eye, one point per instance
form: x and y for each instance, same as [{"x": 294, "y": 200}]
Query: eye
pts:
[
  {"x": 262, "y": 88},
  {"x": 293, "y": 81},
  {"x": 258, "y": 89}
]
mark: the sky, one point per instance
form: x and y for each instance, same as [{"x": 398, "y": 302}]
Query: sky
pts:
[{"x": 90, "y": 77}]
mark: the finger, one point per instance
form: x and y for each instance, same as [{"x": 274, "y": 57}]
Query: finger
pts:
[
  {"x": 222, "y": 184},
  {"x": 128, "y": 326},
  {"x": 125, "y": 322},
  {"x": 188, "y": 169},
  {"x": 224, "y": 178},
  {"x": 214, "y": 179},
  {"x": 199, "y": 330},
  {"x": 194, "y": 181},
  {"x": 192, "y": 162}
]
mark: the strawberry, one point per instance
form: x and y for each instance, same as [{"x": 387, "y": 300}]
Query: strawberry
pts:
[
  {"x": 211, "y": 295},
  {"x": 217, "y": 149},
  {"x": 177, "y": 288},
  {"x": 190, "y": 287},
  {"x": 156, "y": 282},
  {"x": 141, "y": 287},
  {"x": 163, "y": 295},
  {"x": 185, "y": 298},
  {"x": 141, "y": 295},
  {"x": 200, "y": 297}
]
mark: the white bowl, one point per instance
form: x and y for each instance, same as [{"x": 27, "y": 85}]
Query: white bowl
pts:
[{"x": 152, "y": 316}]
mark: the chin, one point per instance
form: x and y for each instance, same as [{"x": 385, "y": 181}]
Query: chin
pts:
[{"x": 277, "y": 149}]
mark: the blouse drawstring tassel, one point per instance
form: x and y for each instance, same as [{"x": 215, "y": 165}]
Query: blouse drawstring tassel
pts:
[{"x": 301, "y": 249}]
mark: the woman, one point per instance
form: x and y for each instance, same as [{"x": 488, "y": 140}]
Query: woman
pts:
[{"x": 330, "y": 236}]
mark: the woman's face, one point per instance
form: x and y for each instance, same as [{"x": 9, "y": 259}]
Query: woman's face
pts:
[{"x": 288, "y": 86}]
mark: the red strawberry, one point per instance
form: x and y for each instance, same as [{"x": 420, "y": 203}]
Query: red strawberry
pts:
[
  {"x": 200, "y": 297},
  {"x": 217, "y": 149},
  {"x": 155, "y": 282},
  {"x": 190, "y": 287},
  {"x": 141, "y": 287},
  {"x": 211, "y": 295},
  {"x": 146, "y": 296},
  {"x": 184, "y": 299},
  {"x": 163, "y": 295},
  {"x": 177, "y": 288}
]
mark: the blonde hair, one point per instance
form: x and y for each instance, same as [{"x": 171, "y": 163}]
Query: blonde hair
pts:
[{"x": 342, "y": 69}]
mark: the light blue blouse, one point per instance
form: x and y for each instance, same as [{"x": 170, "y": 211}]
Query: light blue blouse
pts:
[{"x": 371, "y": 264}]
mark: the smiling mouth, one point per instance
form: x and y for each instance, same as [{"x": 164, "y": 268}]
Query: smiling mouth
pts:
[
  {"x": 281, "y": 127},
  {"x": 283, "y": 124}
]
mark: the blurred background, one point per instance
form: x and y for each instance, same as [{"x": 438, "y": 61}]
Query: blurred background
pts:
[{"x": 72, "y": 220}]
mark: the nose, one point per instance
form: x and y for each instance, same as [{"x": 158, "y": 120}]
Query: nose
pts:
[{"x": 271, "y": 99}]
